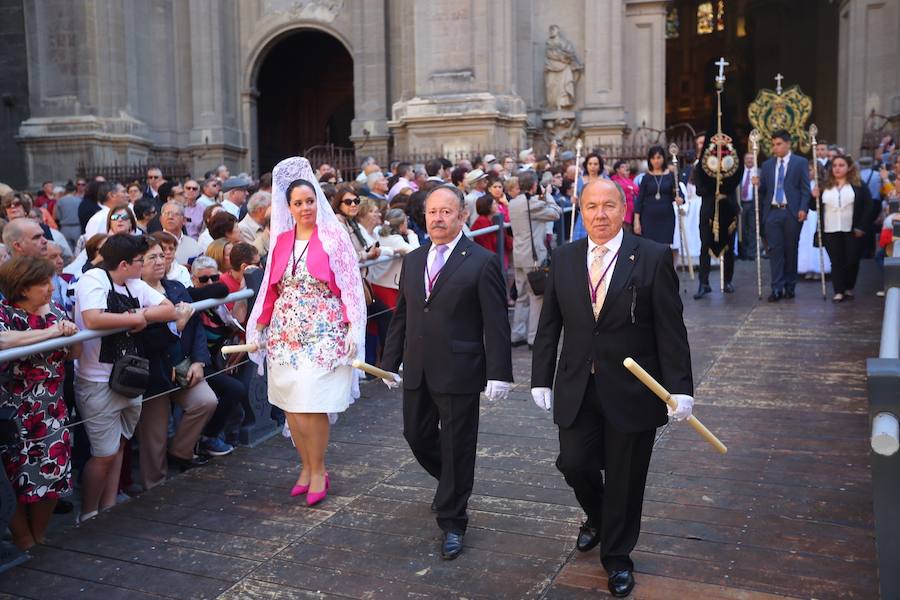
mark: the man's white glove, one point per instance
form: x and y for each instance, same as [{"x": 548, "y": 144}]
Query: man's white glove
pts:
[
  {"x": 496, "y": 390},
  {"x": 685, "y": 407},
  {"x": 543, "y": 397},
  {"x": 394, "y": 383}
]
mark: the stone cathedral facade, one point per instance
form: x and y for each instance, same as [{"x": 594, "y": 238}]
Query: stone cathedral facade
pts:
[{"x": 123, "y": 81}]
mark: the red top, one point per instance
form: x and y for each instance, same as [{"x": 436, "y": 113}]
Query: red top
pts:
[
  {"x": 233, "y": 286},
  {"x": 489, "y": 240}
]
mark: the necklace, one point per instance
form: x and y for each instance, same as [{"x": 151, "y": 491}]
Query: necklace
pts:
[
  {"x": 296, "y": 261},
  {"x": 658, "y": 180}
]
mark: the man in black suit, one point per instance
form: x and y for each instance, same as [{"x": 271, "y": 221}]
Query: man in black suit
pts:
[
  {"x": 784, "y": 201},
  {"x": 451, "y": 332},
  {"x": 616, "y": 295}
]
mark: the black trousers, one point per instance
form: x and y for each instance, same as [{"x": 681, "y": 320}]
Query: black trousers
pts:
[
  {"x": 442, "y": 431},
  {"x": 748, "y": 230},
  {"x": 586, "y": 449},
  {"x": 844, "y": 251}
]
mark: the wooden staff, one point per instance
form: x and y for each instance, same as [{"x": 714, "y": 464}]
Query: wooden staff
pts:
[
  {"x": 666, "y": 397},
  {"x": 813, "y": 132},
  {"x": 237, "y": 348},
  {"x": 685, "y": 252},
  {"x": 578, "y": 147},
  {"x": 754, "y": 141},
  {"x": 357, "y": 364},
  {"x": 372, "y": 370}
]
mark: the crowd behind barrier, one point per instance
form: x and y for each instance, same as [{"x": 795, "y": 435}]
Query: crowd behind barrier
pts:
[{"x": 208, "y": 237}]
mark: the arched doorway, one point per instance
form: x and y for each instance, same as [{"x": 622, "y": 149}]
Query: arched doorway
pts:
[
  {"x": 797, "y": 38},
  {"x": 305, "y": 85}
]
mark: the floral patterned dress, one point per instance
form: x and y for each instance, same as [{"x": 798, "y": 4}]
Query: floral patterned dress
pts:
[
  {"x": 39, "y": 468},
  {"x": 308, "y": 371}
]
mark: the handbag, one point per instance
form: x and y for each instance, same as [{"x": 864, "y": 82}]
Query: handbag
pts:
[
  {"x": 10, "y": 427},
  {"x": 130, "y": 375},
  {"x": 180, "y": 372},
  {"x": 538, "y": 275}
]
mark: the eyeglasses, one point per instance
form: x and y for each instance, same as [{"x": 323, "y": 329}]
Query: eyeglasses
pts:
[
  {"x": 191, "y": 188},
  {"x": 153, "y": 176},
  {"x": 15, "y": 204},
  {"x": 207, "y": 278},
  {"x": 348, "y": 201},
  {"x": 81, "y": 184},
  {"x": 119, "y": 217}
]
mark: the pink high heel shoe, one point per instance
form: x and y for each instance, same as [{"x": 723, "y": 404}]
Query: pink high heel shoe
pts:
[
  {"x": 313, "y": 498},
  {"x": 299, "y": 489}
]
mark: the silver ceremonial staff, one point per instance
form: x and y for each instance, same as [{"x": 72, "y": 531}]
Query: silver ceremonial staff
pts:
[
  {"x": 754, "y": 142},
  {"x": 685, "y": 252},
  {"x": 813, "y": 132},
  {"x": 578, "y": 146}
]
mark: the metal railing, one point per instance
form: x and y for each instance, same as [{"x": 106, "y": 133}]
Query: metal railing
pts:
[
  {"x": 883, "y": 382},
  {"x": 89, "y": 334}
]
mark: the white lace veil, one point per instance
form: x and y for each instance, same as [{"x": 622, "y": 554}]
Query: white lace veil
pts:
[{"x": 335, "y": 240}]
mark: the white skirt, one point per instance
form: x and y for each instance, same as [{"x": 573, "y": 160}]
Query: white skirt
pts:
[{"x": 309, "y": 389}]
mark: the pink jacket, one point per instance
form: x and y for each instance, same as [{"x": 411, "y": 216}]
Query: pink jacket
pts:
[{"x": 316, "y": 263}]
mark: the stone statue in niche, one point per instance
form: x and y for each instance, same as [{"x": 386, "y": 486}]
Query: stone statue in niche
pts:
[{"x": 561, "y": 71}]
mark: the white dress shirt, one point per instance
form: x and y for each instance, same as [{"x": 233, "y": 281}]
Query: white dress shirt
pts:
[
  {"x": 232, "y": 208},
  {"x": 613, "y": 245},
  {"x": 432, "y": 255},
  {"x": 787, "y": 161},
  {"x": 839, "y": 208}
]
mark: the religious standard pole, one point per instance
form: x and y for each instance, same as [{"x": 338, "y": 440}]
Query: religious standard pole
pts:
[
  {"x": 720, "y": 86},
  {"x": 578, "y": 146}
]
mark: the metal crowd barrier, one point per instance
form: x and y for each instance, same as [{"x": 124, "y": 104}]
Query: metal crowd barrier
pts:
[{"x": 883, "y": 382}]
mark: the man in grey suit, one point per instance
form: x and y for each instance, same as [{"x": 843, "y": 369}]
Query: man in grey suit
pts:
[
  {"x": 784, "y": 200},
  {"x": 528, "y": 216}
]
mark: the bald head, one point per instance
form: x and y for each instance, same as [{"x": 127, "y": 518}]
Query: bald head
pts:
[
  {"x": 603, "y": 209},
  {"x": 24, "y": 237}
]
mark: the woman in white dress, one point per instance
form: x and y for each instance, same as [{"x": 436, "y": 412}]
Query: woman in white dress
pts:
[{"x": 310, "y": 320}]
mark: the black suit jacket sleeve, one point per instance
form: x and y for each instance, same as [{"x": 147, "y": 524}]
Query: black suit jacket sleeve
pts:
[
  {"x": 546, "y": 341},
  {"x": 392, "y": 355},
  {"x": 672, "y": 347},
  {"x": 492, "y": 297},
  {"x": 863, "y": 210}
]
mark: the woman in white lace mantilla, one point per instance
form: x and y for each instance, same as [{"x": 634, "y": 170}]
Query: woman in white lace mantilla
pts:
[{"x": 309, "y": 320}]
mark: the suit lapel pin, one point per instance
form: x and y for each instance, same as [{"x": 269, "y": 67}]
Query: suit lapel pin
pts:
[
  {"x": 463, "y": 253},
  {"x": 631, "y": 258}
]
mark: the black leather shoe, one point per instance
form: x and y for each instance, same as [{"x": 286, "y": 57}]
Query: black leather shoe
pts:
[
  {"x": 184, "y": 464},
  {"x": 620, "y": 583},
  {"x": 452, "y": 546},
  {"x": 728, "y": 289},
  {"x": 704, "y": 290},
  {"x": 789, "y": 293},
  {"x": 588, "y": 538},
  {"x": 775, "y": 296}
]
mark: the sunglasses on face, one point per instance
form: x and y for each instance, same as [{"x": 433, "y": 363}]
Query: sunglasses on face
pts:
[
  {"x": 15, "y": 204},
  {"x": 349, "y": 201},
  {"x": 152, "y": 176},
  {"x": 207, "y": 278},
  {"x": 119, "y": 217},
  {"x": 191, "y": 188}
]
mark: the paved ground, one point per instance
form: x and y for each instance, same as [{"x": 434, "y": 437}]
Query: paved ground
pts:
[{"x": 786, "y": 513}]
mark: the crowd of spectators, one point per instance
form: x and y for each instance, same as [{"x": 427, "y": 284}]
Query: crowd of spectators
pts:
[{"x": 105, "y": 254}]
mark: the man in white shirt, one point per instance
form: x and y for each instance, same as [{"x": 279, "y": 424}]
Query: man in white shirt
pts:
[
  {"x": 110, "y": 417},
  {"x": 235, "y": 191},
  {"x": 476, "y": 182},
  {"x": 112, "y": 196},
  {"x": 210, "y": 194},
  {"x": 527, "y": 159},
  {"x": 154, "y": 180},
  {"x": 253, "y": 225},
  {"x": 172, "y": 221},
  {"x": 748, "y": 212}
]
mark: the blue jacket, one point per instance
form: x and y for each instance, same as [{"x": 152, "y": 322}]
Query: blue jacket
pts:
[{"x": 796, "y": 184}]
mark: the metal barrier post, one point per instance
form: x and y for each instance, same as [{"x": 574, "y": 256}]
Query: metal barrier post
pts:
[
  {"x": 883, "y": 383},
  {"x": 501, "y": 238}
]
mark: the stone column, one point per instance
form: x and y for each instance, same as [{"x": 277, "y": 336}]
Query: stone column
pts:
[
  {"x": 868, "y": 71},
  {"x": 644, "y": 64},
  {"x": 77, "y": 64},
  {"x": 605, "y": 56},
  {"x": 369, "y": 131},
  {"x": 215, "y": 136},
  {"x": 462, "y": 94}
]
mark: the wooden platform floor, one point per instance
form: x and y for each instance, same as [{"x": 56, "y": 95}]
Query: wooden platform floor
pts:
[{"x": 787, "y": 513}]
